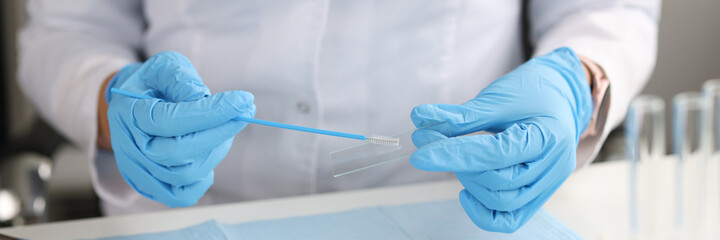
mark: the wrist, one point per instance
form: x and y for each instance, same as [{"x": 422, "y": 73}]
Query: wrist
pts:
[
  {"x": 588, "y": 74},
  {"x": 600, "y": 93},
  {"x": 103, "y": 131}
]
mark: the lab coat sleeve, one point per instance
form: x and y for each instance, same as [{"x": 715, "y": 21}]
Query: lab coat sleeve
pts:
[
  {"x": 66, "y": 50},
  {"x": 618, "y": 35}
]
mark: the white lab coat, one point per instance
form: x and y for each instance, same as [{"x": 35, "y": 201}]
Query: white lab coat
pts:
[{"x": 355, "y": 66}]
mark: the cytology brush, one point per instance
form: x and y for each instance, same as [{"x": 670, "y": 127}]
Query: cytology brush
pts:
[{"x": 373, "y": 139}]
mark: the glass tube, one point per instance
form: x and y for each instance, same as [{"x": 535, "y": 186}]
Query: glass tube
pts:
[
  {"x": 645, "y": 139},
  {"x": 711, "y": 94},
  {"x": 689, "y": 144}
]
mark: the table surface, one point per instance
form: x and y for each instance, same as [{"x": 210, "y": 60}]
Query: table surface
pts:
[{"x": 592, "y": 202}]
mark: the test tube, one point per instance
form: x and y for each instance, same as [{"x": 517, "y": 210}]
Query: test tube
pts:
[
  {"x": 711, "y": 94},
  {"x": 645, "y": 139},
  {"x": 689, "y": 144}
]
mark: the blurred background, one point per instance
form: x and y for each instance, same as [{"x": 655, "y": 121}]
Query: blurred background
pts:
[{"x": 43, "y": 178}]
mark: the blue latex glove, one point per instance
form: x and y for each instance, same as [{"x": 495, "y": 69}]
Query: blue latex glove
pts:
[
  {"x": 167, "y": 147},
  {"x": 537, "y": 112}
]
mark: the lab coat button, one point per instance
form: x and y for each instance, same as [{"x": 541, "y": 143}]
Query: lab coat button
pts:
[{"x": 303, "y": 107}]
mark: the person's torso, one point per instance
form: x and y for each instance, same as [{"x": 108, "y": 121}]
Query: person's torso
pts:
[{"x": 355, "y": 66}]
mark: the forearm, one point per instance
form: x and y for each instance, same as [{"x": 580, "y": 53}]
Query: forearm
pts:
[
  {"x": 619, "y": 38},
  {"x": 65, "y": 53},
  {"x": 103, "y": 138}
]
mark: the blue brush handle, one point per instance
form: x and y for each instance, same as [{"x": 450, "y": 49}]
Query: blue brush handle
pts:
[
  {"x": 301, "y": 128},
  {"x": 262, "y": 122}
]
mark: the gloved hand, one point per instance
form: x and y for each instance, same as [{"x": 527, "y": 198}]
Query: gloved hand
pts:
[
  {"x": 166, "y": 148},
  {"x": 537, "y": 113}
]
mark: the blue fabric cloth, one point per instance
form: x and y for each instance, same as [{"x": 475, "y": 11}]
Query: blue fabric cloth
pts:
[
  {"x": 209, "y": 230},
  {"x": 365, "y": 223},
  {"x": 431, "y": 220}
]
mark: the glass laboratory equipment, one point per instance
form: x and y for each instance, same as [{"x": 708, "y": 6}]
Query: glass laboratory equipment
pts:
[
  {"x": 367, "y": 155},
  {"x": 645, "y": 139},
  {"x": 711, "y": 94},
  {"x": 689, "y": 146}
]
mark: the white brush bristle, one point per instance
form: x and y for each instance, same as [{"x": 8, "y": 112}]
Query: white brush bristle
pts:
[{"x": 384, "y": 140}]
